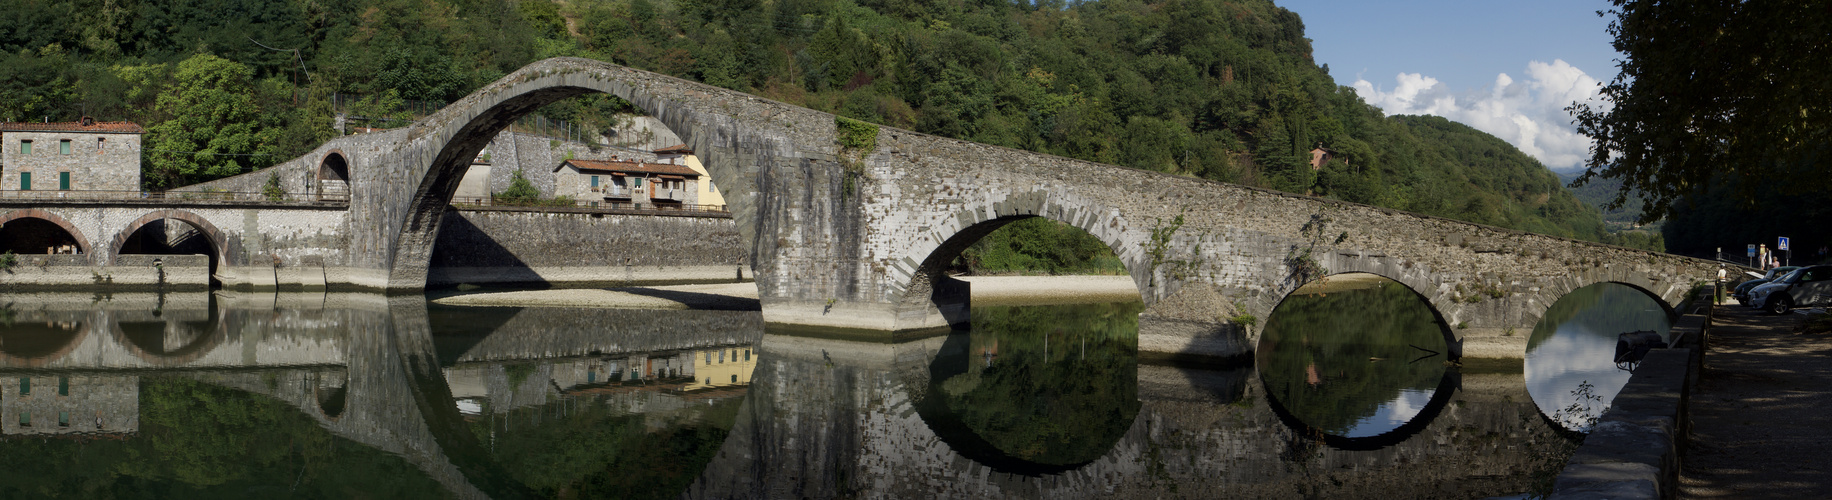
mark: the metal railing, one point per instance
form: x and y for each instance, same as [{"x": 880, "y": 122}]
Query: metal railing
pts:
[
  {"x": 570, "y": 205},
  {"x": 170, "y": 197}
]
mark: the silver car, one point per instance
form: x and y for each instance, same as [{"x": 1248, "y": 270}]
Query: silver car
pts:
[{"x": 1805, "y": 287}]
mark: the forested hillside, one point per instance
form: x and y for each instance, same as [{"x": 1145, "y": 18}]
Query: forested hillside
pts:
[{"x": 1218, "y": 89}]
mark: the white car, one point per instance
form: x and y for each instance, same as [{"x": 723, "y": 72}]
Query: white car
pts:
[{"x": 1805, "y": 287}]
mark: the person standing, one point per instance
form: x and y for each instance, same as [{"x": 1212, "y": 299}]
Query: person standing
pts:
[{"x": 1719, "y": 291}]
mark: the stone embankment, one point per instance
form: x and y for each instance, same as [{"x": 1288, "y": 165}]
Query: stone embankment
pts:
[
  {"x": 32, "y": 273},
  {"x": 1634, "y": 449},
  {"x": 987, "y": 290}
]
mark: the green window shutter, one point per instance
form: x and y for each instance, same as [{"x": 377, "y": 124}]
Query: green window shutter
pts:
[
  {"x": 63, "y": 386},
  {"x": 25, "y": 385},
  {"x": 25, "y": 181},
  {"x": 63, "y": 146},
  {"x": 594, "y": 181},
  {"x": 63, "y": 181},
  {"x": 63, "y": 419},
  {"x": 25, "y": 419},
  {"x": 25, "y": 147}
]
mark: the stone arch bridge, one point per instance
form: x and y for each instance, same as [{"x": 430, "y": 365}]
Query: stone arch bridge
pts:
[{"x": 856, "y": 236}]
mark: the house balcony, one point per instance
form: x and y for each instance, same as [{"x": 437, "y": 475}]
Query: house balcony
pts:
[{"x": 669, "y": 194}]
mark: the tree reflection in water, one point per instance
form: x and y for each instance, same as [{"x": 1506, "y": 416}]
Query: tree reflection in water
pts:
[
  {"x": 1354, "y": 362},
  {"x": 1044, "y": 387}
]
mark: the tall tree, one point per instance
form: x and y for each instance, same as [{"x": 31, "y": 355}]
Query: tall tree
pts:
[
  {"x": 214, "y": 130},
  {"x": 1709, "y": 88}
]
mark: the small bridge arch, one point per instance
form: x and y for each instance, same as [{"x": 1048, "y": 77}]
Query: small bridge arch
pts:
[
  {"x": 928, "y": 290},
  {"x": 218, "y": 240},
  {"x": 32, "y": 214}
]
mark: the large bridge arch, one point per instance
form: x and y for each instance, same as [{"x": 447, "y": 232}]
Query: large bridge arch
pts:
[
  {"x": 81, "y": 241},
  {"x": 707, "y": 118},
  {"x": 838, "y": 237}
]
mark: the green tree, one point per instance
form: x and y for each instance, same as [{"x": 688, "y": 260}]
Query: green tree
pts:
[
  {"x": 520, "y": 191},
  {"x": 1713, "y": 88},
  {"x": 214, "y": 127}
]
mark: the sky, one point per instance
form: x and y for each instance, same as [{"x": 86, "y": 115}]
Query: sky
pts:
[{"x": 1506, "y": 68}]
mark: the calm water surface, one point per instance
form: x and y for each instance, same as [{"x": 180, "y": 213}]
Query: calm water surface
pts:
[
  {"x": 1574, "y": 367},
  {"x": 354, "y": 395}
]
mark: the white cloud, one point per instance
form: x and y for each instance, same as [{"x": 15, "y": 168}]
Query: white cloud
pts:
[{"x": 1528, "y": 113}]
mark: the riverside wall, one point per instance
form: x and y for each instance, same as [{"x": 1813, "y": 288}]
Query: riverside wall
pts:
[
  {"x": 504, "y": 245},
  {"x": 30, "y": 273}
]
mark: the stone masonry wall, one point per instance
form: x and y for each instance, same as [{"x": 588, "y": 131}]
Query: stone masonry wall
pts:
[
  {"x": 113, "y": 164},
  {"x": 514, "y": 245}
]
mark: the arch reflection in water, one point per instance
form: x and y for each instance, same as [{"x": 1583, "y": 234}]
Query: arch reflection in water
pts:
[
  {"x": 1574, "y": 367},
  {"x": 1036, "y": 389},
  {"x": 327, "y": 394},
  {"x": 1356, "y": 360}
]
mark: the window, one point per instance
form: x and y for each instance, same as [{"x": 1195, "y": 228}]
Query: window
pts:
[
  {"x": 594, "y": 181},
  {"x": 63, "y": 181},
  {"x": 25, "y": 385},
  {"x": 25, "y": 419},
  {"x": 25, "y": 181},
  {"x": 99, "y": 141},
  {"x": 638, "y": 183},
  {"x": 63, "y": 386},
  {"x": 63, "y": 419},
  {"x": 25, "y": 147},
  {"x": 747, "y": 354},
  {"x": 63, "y": 147},
  {"x": 734, "y": 378},
  {"x": 711, "y": 188}
]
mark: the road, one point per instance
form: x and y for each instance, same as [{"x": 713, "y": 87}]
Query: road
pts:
[{"x": 1762, "y": 411}]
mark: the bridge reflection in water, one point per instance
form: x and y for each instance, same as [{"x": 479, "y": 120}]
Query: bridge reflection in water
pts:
[{"x": 335, "y": 394}]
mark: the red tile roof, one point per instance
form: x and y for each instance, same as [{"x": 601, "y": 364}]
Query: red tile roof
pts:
[
  {"x": 96, "y": 128},
  {"x": 630, "y": 167},
  {"x": 677, "y": 148}
]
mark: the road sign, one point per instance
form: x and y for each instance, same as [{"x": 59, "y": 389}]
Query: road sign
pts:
[
  {"x": 1783, "y": 245},
  {"x": 1752, "y": 250}
]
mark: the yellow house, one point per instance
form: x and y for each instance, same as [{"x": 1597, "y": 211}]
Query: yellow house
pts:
[
  {"x": 722, "y": 367},
  {"x": 679, "y": 154}
]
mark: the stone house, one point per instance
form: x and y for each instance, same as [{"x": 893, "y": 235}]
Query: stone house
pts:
[
  {"x": 83, "y": 155},
  {"x": 632, "y": 183},
  {"x": 680, "y": 154},
  {"x": 1320, "y": 156}
]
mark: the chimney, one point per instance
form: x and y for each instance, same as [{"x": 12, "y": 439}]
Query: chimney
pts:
[{"x": 88, "y": 122}]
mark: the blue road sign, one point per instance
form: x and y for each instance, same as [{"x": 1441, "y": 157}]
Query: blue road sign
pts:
[
  {"x": 1752, "y": 251},
  {"x": 1783, "y": 245}
]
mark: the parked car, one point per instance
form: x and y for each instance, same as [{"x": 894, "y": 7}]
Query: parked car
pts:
[
  {"x": 1742, "y": 290},
  {"x": 1805, "y": 287}
]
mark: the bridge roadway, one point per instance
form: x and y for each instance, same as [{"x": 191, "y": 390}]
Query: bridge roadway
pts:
[{"x": 856, "y": 237}]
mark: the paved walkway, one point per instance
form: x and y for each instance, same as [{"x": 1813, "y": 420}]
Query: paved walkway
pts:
[{"x": 1762, "y": 412}]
